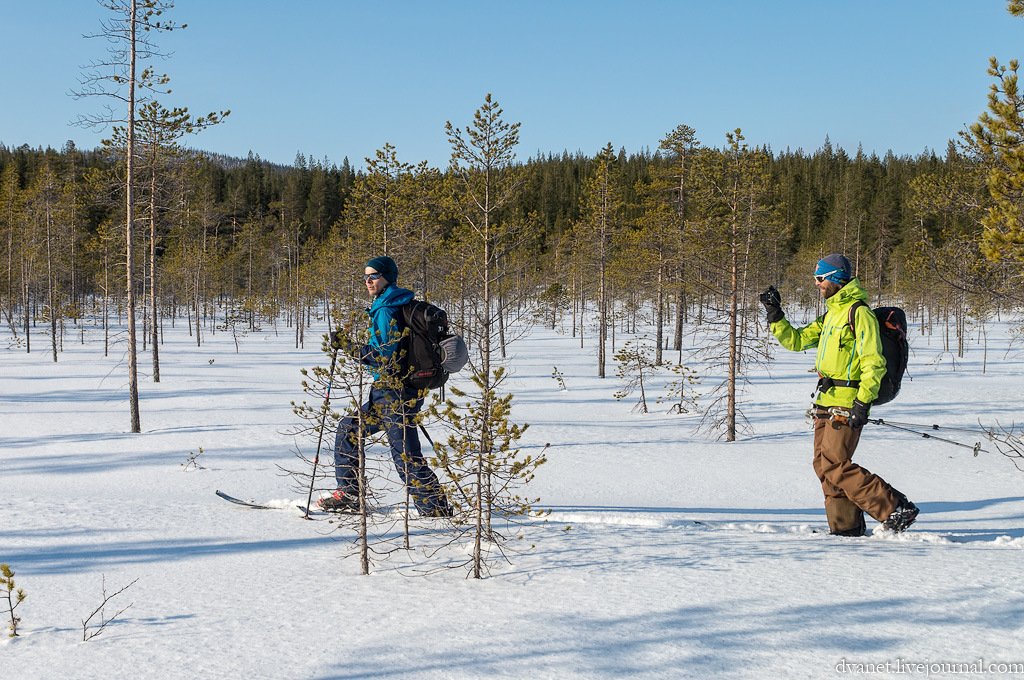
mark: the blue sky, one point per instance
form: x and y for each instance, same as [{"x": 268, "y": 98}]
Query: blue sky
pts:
[{"x": 338, "y": 78}]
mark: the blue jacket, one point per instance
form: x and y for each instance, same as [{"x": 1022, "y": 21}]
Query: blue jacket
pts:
[{"x": 386, "y": 327}]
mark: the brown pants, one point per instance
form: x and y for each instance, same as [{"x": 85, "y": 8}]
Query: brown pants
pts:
[{"x": 844, "y": 482}]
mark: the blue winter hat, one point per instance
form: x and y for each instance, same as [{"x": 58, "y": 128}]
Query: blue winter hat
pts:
[
  {"x": 386, "y": 267},
  {"x": 835, "y": 268}
]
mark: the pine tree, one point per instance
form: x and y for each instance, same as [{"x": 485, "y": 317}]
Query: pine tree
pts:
[
  {"x": 422, "y": 228},
  {"x": 11, "y": 200},
  {"x": 14, "y": 597},
  {"x": 43, "y": 198},
  {"x": 130, "y": 36},
  {"x": 680, "y": 144},
  {"x": 479, "y": 456},
  {"x": 598, "y": 225},
  {"x": 343, "y": 387},
  {"x": 378, "y": 200},
  {"x": 74, "y": 230},
  {"x": 999, "y": 137},
  {"x": 660, "y": 238},
  {"x": 158, "y": 132},
  {"x": 735, "y": 189},
  {"x": 634, "y": 367}
]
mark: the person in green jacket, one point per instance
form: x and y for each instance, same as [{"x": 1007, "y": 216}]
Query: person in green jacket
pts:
[{"x": 850, "y": 367}]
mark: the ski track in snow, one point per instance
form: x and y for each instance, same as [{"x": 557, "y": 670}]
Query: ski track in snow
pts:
[
  {"x": 666, "y": 554},
  {"x": 661, "y": 522}
]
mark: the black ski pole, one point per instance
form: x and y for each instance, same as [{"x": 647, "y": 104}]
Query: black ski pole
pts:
[
  {"x": 424, "y": 431},
  {"x": 976, "y": 448},
  {"x": 987, "y": 434},
  {"x": 323, "y": 421}
]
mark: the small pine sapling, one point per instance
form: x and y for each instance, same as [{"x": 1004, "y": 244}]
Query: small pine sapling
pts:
[
  {"x": 680, "y": 393},
  {"x": 235, "y": 321},
  {"x": 337, "y": 390},
  {"x": 560, "y": 379},
  {"x": 551, "y": 304},
  {"x": 633, "y": 368},
  {"x": 14, "y": 597},
  {"x": 486, "y": 473},
  {"x": 192, "y": 460},
  {"x": 319, "y": 419}
]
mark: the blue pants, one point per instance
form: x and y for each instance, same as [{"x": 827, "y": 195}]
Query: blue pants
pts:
[{"x": 386, "y": 409}]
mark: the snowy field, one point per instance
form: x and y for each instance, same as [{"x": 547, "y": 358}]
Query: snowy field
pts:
[{"x": 687, "y": 557}]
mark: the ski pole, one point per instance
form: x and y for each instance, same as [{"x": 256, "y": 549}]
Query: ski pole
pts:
[
  {"x": 323, "y": 421},
  {"x": 427, "y": 435},
  {"x": 941, "y": 427},
  {"x": 976, "y": 448}
]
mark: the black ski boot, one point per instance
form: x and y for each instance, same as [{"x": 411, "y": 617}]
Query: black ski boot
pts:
[
  {"x": 338, "y": 501},
  {"x": 903, "y": 516}
]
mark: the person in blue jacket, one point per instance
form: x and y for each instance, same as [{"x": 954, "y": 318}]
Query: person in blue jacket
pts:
[{"x": 392, "y": 407}]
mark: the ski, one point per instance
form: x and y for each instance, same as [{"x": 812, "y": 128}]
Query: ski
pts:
[
  {"x": 256, "y": 506},
  {"x": 248, "y": 504},
  {"x": 313, "y": 510}
]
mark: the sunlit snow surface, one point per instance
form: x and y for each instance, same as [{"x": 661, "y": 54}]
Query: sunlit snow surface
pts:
[{"x": 688, "y": 557}]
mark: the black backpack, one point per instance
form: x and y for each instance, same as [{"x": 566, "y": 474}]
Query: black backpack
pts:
[
  {"x": 422, "y": 356},
  {"x": 892, "y": 327}
]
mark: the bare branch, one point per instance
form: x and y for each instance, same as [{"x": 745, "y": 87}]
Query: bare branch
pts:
[{"x": 88, "y": 634}]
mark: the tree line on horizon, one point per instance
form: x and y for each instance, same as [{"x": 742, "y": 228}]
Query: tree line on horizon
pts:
[
  {"x": 254, "y": 221},
  {"x": 688, "y": 232}
]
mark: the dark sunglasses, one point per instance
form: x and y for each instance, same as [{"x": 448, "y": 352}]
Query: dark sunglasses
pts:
[{"x": 372, "y": 277}]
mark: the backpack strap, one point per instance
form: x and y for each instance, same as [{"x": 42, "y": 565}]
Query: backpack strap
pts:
[{"x": 853, "y": 312}]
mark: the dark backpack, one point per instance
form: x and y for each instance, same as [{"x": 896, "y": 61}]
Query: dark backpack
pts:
[
  {"x": 892, "y": 327},
  {"x": 423, "y": 358}
]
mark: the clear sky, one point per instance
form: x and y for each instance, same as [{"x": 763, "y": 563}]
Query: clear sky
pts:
[{"x": 337, "y": 78}]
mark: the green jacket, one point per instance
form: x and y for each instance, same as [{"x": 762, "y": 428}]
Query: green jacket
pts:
[{"x": 841, "y": 356}]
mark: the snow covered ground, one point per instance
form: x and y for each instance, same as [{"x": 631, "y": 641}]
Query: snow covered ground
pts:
[{"x": 687, "y": 557}]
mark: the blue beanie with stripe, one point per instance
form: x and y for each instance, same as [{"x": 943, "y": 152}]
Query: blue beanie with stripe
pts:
[{"x": 835, "y": 268}]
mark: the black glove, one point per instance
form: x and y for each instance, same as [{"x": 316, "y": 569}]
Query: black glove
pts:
[
  {"x": 772, "y": 302},
  {"x": 340, "y": 339},
  {"x": 858, "y": 414}
]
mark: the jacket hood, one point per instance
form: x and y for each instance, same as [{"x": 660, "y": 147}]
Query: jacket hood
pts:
[
  {"x": 393, "y": 296},
  {"x": 847, "y": 295}
]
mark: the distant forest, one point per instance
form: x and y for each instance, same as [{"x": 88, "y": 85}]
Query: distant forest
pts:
[
  {"x": 670, "y": 242},
  {"x": 252, "y": 238}
]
